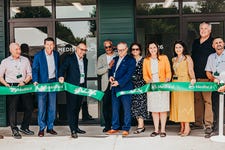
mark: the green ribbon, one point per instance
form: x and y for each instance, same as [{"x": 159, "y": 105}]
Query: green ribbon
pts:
[
  {"x": 51, "y": 87},
  {"x": 173, "y": 86}
]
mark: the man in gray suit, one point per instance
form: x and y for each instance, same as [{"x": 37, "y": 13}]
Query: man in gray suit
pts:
[{"x": 105, "y": 62}]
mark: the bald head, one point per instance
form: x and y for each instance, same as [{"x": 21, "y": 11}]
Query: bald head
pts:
[{"x": 218, "y": 45}]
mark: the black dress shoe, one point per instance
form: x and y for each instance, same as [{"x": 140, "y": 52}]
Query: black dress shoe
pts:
[
  {"x": 105, "y": 130},
  {"x": 52, "y": 132},
  {"x": 74, "y": 135},
  {"x": 41, "y": 133},
  {"x": 194, "y": 127},
  {"x": 27, "y": 131},
  {"x": 88, "y": 117},
  {"x": 16, "y": 134},
  {"x": 80, "y": 131},
  {"x": 208, "y": 130}
]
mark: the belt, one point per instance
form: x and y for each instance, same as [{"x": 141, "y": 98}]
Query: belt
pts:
[
  {"x": 82, "y": 84},
  {"x": 52, "y": 79},
  {"x": 13, "y": 84}
]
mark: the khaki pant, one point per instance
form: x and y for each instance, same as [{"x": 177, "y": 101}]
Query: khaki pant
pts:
[{"x": 203, "y": 107}]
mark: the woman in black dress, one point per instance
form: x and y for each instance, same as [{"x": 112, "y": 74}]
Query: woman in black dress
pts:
[{"x": 139, "y": 101}]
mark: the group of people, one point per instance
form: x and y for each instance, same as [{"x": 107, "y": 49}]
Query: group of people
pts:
[
  {"x": 120, "y": 71},
  {"x": 125, "y": 72},
  {"x": 16, "y": 70}
]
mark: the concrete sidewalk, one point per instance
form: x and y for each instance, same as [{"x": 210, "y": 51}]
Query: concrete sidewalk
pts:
[{"x": 94, "y": 139}]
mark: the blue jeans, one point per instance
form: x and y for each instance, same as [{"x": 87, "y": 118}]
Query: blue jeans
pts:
[
  {"x": 125, "y": 100},
  {"x": 46, "y": 110}
]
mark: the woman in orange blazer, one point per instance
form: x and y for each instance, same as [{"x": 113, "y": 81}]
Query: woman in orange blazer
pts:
[{"x": 156, "y": 68}]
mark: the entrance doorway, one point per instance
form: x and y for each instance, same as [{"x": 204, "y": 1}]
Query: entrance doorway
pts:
[{"x": 33, "y": 32}]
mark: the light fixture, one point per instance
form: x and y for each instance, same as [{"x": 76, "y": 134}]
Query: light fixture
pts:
[
  {"x": 37, "y": 2},
  {"x": 78, "y": 6},
  {"x": 214, "y": 23},
  {"x": 167, "y": 3}
]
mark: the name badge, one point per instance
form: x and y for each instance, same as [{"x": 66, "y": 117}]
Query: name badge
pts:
[
  {"x": 82, "y": 75},
  {"x": 216, "y": 73},
  {"x": 175, "y": 77},
  {"x": 19, "y": 76}
]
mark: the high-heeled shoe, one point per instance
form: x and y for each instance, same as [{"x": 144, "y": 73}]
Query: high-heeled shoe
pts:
[
  {"x": 181, "y": 132},
  {"x": 186, "y": 134},
  {"x": 139, "y": 130}
]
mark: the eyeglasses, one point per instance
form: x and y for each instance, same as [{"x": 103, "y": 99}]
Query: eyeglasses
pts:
[
  {"x": 121, "y": 50},
  {"x": 135, "y": 49},
  {"x": 106, "y": 47},
  {"x": 82, "y": 49}
]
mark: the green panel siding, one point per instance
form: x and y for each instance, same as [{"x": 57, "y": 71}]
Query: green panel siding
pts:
[
  {"x": 116, "y": 21},
  {"x": 116, "y": 25},
  {"x": 2, "y": 55},
  {"x": 118, "y": 37}
]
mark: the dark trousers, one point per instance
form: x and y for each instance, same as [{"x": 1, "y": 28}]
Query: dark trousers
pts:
[
  {"x": 27, "y": 102},
  {"x": 107, "y": 108},
  {"x": 215, "y": 107},
  {"x": 85, "y": 112},
  {"x": 125, "y": 100},
  {"x": 73, "y": 108}
]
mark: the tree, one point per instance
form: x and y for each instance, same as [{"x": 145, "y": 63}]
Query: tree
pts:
[
  {"x": 209, "y": 6},
  {"x": 64, "y": 33}
]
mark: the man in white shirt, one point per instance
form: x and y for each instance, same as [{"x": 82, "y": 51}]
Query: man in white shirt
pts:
[
  {"x": 214, "y": 67},
  {"x": 15, "y": 70}
]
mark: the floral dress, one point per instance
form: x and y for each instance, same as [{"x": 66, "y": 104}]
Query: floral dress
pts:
[{"x": 139, "y": 101}]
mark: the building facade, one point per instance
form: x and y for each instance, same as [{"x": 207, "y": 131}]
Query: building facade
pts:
[{"x": 93, "y": 21}]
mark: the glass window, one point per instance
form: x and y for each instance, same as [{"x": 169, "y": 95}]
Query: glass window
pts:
[
  {"x": 157, "y": 7},
  {"x": 203, "y": 6},
  {"x": 30, "y": 9},
  {"x": 93, "y": 104},
  {"x": 163, "y": 31},
  {"x": 75, "y": 8},
  {"x": 79, "y": 31},
  {"x": 23, "y": 35}
]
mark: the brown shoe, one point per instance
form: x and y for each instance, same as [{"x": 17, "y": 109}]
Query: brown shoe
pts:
[
  {"x": 41, "y": 133},
  {"x": 112, "y": 131},
  {"x": 1, "y": 136},
  {"x": 125, "y": 133}
]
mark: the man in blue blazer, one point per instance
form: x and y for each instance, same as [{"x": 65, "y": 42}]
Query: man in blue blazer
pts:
[
  {"x": 45, "y": 70},
  {"x": 120, "y": 79},
  {"x": 75, "y": 67}
]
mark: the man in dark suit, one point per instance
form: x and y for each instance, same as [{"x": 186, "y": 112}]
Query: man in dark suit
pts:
[
  {"x": 45, "y": 70},
  {"x": 75, "y": 67},
  {"x": 120, "y": 79}
]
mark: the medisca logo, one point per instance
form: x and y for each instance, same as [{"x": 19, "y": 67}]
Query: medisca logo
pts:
[
  {"x": 41, "y": 88},
  {"x": 85, "y": 91},
  {"x": 17, "y": 89}
]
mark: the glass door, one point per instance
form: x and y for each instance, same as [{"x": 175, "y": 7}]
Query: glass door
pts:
[{"x": 32, "y": 34}]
